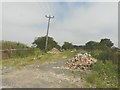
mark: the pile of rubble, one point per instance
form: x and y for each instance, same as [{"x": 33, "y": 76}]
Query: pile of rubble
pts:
[
  {"x": 54, "y": 51},
  {"x": 81, "y": 61}
]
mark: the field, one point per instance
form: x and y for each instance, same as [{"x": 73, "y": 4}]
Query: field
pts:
[{"x": 53, "y": 65}]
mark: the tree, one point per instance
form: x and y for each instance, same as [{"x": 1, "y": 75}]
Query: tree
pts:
[
  {"x": 67, "y": 46},
  {"x": 106, "y": 42},
  {"x": 92, "y": 45},
  {"x": 40, "y": 43}
]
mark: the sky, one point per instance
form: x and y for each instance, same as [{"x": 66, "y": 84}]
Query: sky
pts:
[{"x": 75, "y": 22}]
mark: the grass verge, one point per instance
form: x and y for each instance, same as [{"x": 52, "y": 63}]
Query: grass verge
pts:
[{"x": 36, "y": 59}]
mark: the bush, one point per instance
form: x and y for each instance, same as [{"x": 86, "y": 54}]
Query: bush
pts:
[
  {"x": 38, "y": 52},
  {"x": 96, "y": 53},
  {"x": 104, "y": 75},
  {"x": 22, "y": 53},
  {"x": 106, "y": 55},
  {"x": 67, "y": 46},
  {"x": 12, "y": 45},
  {"x": 41, "y": 41}
]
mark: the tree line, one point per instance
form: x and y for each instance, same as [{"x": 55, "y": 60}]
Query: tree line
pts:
[
  {"x": 103, "y": 50},
  {"x": 103, "y": 44},
  {"x": 40, "y": 43}
]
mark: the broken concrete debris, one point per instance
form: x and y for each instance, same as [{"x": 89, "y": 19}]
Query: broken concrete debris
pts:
[
  {"x": 81, "y": 61},
  {"x": 54, "y": 51}
]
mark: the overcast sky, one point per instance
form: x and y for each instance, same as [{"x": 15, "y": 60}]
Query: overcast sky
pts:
[{"x": 75, "y": 22}]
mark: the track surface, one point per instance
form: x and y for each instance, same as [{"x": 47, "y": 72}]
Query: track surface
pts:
[{"x": 41, "y": 76}]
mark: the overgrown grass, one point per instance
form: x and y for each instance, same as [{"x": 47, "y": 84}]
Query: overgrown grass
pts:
[
  {"x": 19, "y": 62},
  {"x": 38, "y": 57},
  {"x": 22, "y": 53},
  {"x": 104, "y": 75},
  {"x": 12, "y": 45},
  {"x": 69, "y": 53},
  {"x": 106, "y": 55}
]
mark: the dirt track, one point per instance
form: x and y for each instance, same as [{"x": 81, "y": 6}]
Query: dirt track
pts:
[{"x": 41, "y": 76}]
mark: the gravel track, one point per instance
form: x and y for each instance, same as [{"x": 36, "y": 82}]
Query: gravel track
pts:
[{"x": 40, "y": 76}]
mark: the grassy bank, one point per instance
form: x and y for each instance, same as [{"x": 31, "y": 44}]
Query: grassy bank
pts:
[
  {"x": 104, "y": 75},
  {"x": 39, "y": 57}
]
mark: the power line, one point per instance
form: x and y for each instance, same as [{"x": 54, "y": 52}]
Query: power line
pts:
[{"x": 49, "y": 17}]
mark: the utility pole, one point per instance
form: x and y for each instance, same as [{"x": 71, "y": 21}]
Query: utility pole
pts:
[{"x": 46, "y": 42}]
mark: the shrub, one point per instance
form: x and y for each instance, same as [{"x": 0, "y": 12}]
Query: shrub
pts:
[
  {"x": 22, "y": 53},
  {"x": 12, "y": 45},
  {"x": 106, "y": 55},
  {"x": 104, "y": 75}
]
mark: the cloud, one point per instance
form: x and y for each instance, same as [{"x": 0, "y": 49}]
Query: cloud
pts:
[
  {"x": 74, "y": 22},
  {"x": 89, "y": 22},
  {"x": 24, "y": 21}
]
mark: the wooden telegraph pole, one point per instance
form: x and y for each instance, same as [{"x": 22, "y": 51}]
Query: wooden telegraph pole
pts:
[{"x": 46, "y": 42}]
